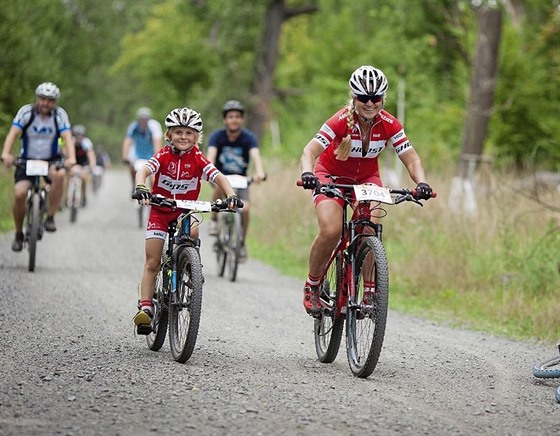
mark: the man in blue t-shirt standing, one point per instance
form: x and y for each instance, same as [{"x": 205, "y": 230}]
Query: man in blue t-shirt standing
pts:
[
  {"x": 143, "y": 139},
  {"x": 231, "y": 149}
]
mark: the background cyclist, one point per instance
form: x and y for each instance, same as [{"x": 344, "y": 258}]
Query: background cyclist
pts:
[
  {"x": 86, "y": 160},
  {"x": 231, "y": 149},
  {"x": 348, "y": 145},
  {"x": 177, "y": 169},
  {"x": 143, "y": 139},
  {"x": 39, "y": 125}
]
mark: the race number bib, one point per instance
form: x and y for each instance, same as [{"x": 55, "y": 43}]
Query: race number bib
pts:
[
  {"x": 36, "y": 168},
  {"x": 195, "y": 205},
  {"x": 371, "y": 192},
  {"x": 237, "y": 181}
]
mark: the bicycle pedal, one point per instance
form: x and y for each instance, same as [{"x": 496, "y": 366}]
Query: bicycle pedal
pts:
[{"x": 144, "y": 329}]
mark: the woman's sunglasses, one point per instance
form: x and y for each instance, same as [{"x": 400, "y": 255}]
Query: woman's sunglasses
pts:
[{"x": 365, "y": 98}]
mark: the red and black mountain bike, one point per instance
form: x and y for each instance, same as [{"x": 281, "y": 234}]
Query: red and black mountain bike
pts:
[{"x": 355, "y": 284}]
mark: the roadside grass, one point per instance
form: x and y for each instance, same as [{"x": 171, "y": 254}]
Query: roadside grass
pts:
[
  {"x": 6, "y": 198},
  {"x": 496, "y": 272}
]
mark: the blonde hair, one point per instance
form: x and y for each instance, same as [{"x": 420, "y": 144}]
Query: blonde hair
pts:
[
  {"x": 343, "y": 150},
  {"x": 198, "y": 141}
]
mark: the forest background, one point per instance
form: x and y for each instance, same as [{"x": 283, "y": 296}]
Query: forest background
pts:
[{"x": 497, "y": 269}]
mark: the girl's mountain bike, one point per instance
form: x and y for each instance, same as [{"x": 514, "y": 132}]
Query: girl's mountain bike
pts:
[
  {"x": 178, "y": 290},
  {"x": 37, "y": 198},
  {"x": 354, "y": 288}
]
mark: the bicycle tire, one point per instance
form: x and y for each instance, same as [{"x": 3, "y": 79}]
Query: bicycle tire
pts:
[
  {"x": 185, "y": 309},
  {"x": 328, "y": 326},
  {"x": 557, "y": 394},
  {"x": 75, "y": 198},
  {"x": 234, "y": 246},
  {"x": 365, "y": 326},
  {"x": 546, "y": 370},
  {"x": 221, "y": 242},
  {"x": 33, "y": 224},
  {"x": 156, "y": 339}
]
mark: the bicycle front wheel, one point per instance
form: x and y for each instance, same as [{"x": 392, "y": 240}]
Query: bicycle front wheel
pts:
[
  {"x": 221, "y": 245},
  {"x": 156, "y": 339},
  {"x": 185, "y": 306},
  {"x": 234, "y": 246},
  {"x": 33, "y": 224},
  {"x": 366, "y": 320},
  {"x": 328, "y": 326}
]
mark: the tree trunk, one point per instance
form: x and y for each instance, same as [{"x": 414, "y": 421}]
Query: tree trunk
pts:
[
  {"x": 462, "y": 196},
  {"x": 262, "y": 89},
  {"x": 483, "y": 82}
]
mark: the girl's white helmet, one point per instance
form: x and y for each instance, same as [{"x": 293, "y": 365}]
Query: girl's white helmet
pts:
[
  {"x": 48, "y": 90},
  {"x": 184, "y": 117},
  {"x": 368, "y": 80}
]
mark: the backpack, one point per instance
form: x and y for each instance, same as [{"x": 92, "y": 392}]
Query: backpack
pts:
[{"x": 32, "y": 117}]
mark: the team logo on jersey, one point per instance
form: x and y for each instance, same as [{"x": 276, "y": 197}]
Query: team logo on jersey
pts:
[
  {"x": 385, "y": 118},
  {"x": 172, "y": 169},
  {"x": 180, "y": 186}
]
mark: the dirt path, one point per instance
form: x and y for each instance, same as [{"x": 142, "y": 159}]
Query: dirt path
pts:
[{"x": 71, "y": 364}]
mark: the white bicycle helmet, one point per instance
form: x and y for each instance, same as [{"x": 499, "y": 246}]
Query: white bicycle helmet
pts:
[
  {"x": 144, "y": 113},
  {"x": 78, "y": 129},
  {"x": 184, "y": 117},
  {"x": 48, "y": 90},
  {"x": 368, "y": 80}
]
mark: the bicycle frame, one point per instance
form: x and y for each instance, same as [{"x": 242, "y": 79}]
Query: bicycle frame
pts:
[{"x": 351, "y": 234}]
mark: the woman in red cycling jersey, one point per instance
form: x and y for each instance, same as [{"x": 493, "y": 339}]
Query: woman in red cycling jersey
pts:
[
  {"x": 178, "y": 169},
  {"x": 348, "y": 145}
]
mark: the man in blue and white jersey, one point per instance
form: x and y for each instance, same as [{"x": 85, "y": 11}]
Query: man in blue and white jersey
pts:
[
  {"x": 39, "y": 125},
  {"x": 143, "y": 139}
]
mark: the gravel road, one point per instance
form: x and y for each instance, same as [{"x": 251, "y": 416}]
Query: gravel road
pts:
[{"x": 72, "y": 365}]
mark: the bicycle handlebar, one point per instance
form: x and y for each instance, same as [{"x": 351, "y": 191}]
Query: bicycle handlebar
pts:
[
  {"x": 332, "y": 189},
  {"x": 159, "y": 200}
]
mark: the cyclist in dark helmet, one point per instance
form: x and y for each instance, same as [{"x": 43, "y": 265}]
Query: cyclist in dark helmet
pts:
[{"x": 232, "y": 149}]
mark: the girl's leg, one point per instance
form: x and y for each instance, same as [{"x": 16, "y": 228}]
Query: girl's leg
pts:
[{"x": 154, "y": 248}]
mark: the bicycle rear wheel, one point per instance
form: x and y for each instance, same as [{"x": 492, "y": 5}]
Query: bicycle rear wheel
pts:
[
  {"x": 32, "y": 228},
  {"x": 234, "y": 245},
  {"x": 156, "y": 339},
  {"x": 328, "y": 326},
  {"x": 185, "y": 308},
  {"x": 365, "y": 323}
]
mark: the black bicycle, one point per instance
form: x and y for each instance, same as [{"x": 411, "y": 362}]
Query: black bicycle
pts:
[
  {"x": 229, "y": 238},
  {"x": 37, "y": 201},
  {"x": 354, "y": 287},
  {"x": 178, "y": 290}
]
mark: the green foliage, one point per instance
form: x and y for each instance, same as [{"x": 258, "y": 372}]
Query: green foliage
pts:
[{"x": 525, "y": 128}]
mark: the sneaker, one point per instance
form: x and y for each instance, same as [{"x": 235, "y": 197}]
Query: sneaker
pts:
[
  {"x": 242, "y": 254},
  {"x": 143, "y": 322},
  {"x": 213, "y": 228},
  {"x": 50, "y": 226},
  {"x": 17, "y": 245},
  {"x": 311, "y": 300}
]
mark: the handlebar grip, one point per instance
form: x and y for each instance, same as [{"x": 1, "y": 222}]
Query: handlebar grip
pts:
[
  {"x": 299, "y": 182},
  {"x": 432, "y": 195}
]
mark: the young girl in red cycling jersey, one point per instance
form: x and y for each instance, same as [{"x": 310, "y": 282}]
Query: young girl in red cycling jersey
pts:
[
  {"x": 348, "y": 145},
  {"x": 178, "y": 169}
]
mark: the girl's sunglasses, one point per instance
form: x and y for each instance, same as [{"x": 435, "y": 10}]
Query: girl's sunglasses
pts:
[{"x": 365, "y": 98}]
